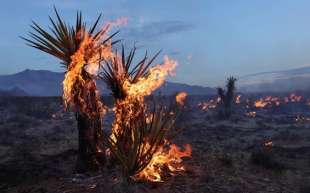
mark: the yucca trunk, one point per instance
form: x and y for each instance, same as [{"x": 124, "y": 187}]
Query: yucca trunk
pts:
[
  {"x": 90, "y": 157},
  {"x": 91, "y": 153}
]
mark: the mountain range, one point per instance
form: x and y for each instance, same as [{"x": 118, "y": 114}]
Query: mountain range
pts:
[{"x": 48, "y": 83}]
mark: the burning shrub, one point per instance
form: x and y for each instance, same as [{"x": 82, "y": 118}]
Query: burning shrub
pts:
[
  {"x": 142, "y": 147},
  {"x": 139, "y": 135}
]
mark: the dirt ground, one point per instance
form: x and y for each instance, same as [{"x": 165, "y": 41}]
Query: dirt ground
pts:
[{"x": 38, "y": 148}]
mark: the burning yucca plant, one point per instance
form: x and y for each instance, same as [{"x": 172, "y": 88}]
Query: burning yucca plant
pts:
[
  {"x": 227, "y": 98},
  {"x": 142, "y": 145},
  {"x": 138, "y": 139},
  {"x": 120, "y": 68},
  {"x": 80, "y": 51}
]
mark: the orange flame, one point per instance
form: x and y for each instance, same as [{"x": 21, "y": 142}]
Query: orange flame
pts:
[
  {"x": 238, "y": 99},
  {"x": 167, "y": 155},
  {"x": 157, "y": 75},
  {"x": 85, "y": 63},
  {"x": 211, "y": 104},
  {"x": 268, "y": 144},
  {"x": 251, "y": 114},
  {"x": 267, "y": 101},
  {"x": 180, "y": 98},
  {"x": 171, "y": 159}
]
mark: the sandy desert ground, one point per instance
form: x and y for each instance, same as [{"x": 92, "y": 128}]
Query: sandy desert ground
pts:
[{"x": 38, "y": 147}]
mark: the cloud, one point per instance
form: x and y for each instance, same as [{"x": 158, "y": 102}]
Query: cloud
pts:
[{"x": 156, "y": 30}]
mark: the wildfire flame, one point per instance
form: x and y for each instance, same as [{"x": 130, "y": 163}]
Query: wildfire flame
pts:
[
  {"x": 267, "y": 101},
  {"x": 170, "y": 157},
  {"x": 211, "y": 104},
  {"x": 180, "y": 98},
  {"x": 238, "y": 99},
  {"x": 85, "y": 63},
  {"x": 270, "y": 101},
  {"x": 251, "y": 114},
  {"x": 157, "y": 75},
  {"x": 268, "y": 143},
  {"x": 126, "y": 111},
  {"x": 79, "y": 82}
]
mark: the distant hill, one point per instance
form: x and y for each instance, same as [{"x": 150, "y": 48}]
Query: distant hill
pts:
[
  {"x": 277, "y": 81},
  {"x": 47, "y": 83},
  {"x": 13, "y": 92}
]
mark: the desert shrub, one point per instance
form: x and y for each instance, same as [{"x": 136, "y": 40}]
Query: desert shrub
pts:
[
  {"x": 227, "y": 98},
  {"x": 266, "y": 159},
  {"x": 137, "y": 142}
]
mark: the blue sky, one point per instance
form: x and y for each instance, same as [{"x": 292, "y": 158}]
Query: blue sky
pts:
[{"x": 211, "y": 39}]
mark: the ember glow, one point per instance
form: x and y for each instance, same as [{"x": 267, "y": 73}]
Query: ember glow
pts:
[
  {"x": 238, "y": 99},
  {"x": 268, "y": 143}
]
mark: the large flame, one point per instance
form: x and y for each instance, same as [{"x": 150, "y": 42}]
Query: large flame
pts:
[
  {"x": 78, "y": 84},
  {"x": 156, "y": 77}
]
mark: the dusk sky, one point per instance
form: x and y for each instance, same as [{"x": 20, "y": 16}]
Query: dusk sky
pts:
[{"x": 211, "y": 39}]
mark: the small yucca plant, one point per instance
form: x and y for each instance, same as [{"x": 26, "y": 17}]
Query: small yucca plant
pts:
[
  {"x": 139, "y": 139},
  {"x": 227, "y": 98}
]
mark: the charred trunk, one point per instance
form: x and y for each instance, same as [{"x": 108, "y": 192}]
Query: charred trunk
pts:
[{"x": 90, "y": 150}]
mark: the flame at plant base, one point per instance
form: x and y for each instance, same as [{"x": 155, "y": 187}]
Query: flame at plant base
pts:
[{"x": 169, "y": 158}]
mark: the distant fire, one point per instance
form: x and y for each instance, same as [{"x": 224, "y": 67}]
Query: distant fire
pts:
[
  {"x": 238, "y": 99},
  {"x": 211, "y": 104},
  {"x": 180, "y": 98},
  {"x": 301, "y": 119},
  {"x": 295, "y": 98},
  {"x": 251, "y": 114},
  {"x": 308, "y": 102},
  {"x": 270, "y": 101},
  {"x": 267, "y": 101},
  {"x": 268, "y": 143}
]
